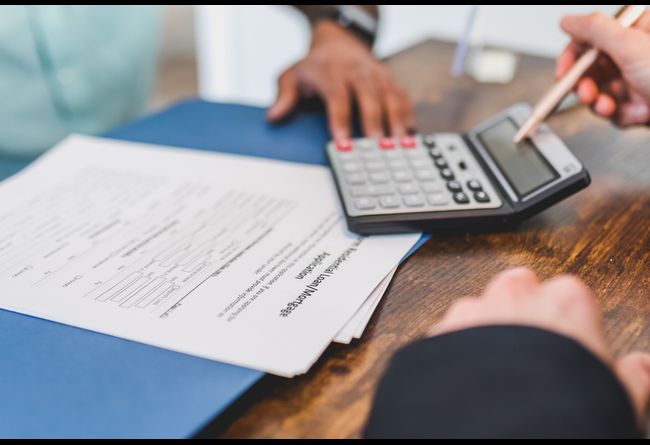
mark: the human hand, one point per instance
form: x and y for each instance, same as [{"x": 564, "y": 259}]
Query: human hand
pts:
[
  {"x": 617, "y": 87},
  {"x": 340, "y": 68},
  {"x": 563, "y": 305}
]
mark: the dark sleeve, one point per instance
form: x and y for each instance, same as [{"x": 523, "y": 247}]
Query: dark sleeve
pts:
[{"x": 500, "y": 382}]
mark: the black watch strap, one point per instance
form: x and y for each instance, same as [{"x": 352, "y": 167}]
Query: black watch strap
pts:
[{"x": 354, "y": 19}]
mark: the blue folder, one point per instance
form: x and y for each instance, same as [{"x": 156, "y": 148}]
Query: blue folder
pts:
[{"x": 61, "y": 381}]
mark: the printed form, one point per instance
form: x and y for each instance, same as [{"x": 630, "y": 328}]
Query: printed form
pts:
[{"x": 231, "y": 258}]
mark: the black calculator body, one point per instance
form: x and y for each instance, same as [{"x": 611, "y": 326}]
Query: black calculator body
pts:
[{"x": 477, "y": 181}]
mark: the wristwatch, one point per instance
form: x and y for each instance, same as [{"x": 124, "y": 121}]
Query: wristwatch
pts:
[{"x": 354, "y": 19}]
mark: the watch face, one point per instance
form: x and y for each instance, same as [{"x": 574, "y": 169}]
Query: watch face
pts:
[
  {"x": 359, "y": 21},
  {"x": 343, "y": 20}
]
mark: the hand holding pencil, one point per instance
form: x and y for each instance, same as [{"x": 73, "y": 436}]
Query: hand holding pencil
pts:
[{"x": 608, "y": 64}]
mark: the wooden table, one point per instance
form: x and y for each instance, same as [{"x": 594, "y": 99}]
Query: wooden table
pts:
[{"x": 601, "y": 234}]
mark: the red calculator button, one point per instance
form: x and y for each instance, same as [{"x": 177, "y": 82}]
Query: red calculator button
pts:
[
  {"x": 344, "y": 145},
  {"x": 386, "y": 143},
  {"x": 408, "y": 142}
]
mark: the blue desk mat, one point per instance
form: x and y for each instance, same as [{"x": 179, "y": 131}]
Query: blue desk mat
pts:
[{"x": 61, "y": 381}]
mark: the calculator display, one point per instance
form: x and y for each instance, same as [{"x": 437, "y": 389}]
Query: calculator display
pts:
[{"x": 521, "y": 164}]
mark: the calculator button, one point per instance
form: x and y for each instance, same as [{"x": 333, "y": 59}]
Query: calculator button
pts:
[
  {"x": 446, "y": 173},
  {"x": 416, "y": 154},
  {"x": 387, "y": 143},
  {"x": 441, "y": 163},
  {"x": 431, "y": 187},
  {"x": 398, "y": 164},
  {"x": 414, "y": 200},
  {"x": 407, "y": 189},
  {"x": 425, "y": 175},
  {"x": 408, "y": 142},
  {"x": 474, "y": 185},
  {"x": 365, "y": 145},
  {"x": 372, "y": 190},
  {"x": 438, "y": 199},
  {"x": 454, "y": 186},
  {"x": 389, "y": 202},
  {"x": 435, "y": 152},
  {"x": 375, "y": 166},
  {"x": 351, "y": 167},
  {"x": 393, "y": 155},
  {"x": 481, "y": 196},
  {"x": 365, "y": 203},
  {"x": 461, "y": 198},
  {"x": 421, "y": 164},
  {"x": 346, "y": 155},
  {"x": 355, "y": 179},
  {"x": 371, "y": 156},
  {"x": 379, "y": 177},
  {"x": 344, "y": 145},
  {"x": 429, "y": 141},
  {"x": 402, "y": 176}
]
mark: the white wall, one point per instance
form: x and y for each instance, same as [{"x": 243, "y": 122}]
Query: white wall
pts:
[
  {"x": 242, "y": 49},
  {"x": 529, "y": 28}
]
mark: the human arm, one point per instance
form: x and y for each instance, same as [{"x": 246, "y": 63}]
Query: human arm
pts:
[
  {"x": 525, "y": 359},
  {"x": 341, "y": 69}
]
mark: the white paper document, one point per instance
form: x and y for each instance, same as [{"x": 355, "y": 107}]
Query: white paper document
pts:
[
  {"x": 231, "y": 258},
  {"x": 357, "y": 324}
]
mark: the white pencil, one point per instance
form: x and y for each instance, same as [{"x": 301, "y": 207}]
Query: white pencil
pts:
[{"x": 626, "y": 16}]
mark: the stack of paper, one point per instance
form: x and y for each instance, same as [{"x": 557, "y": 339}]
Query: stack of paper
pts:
[
  {"x": 235, "y": 259},
  {"x": 357, "y": 324}
]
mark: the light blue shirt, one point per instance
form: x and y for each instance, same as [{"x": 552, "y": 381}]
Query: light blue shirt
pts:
[{"x": 70, "y": 69}]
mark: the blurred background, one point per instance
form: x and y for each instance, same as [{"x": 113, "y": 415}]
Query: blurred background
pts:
[{"x": 235, "y": 53}]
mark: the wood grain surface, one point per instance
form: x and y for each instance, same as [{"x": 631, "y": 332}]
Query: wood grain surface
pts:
[{"x": 601, "y": 235}]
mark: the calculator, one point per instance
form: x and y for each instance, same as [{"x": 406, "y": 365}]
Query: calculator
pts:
[{"x": 480, "y": 180}]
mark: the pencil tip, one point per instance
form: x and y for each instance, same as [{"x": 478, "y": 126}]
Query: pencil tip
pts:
[
  {"x": 518, "y": 137},
  {"x": 527, "y": 128}
]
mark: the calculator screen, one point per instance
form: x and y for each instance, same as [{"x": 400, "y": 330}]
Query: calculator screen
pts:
[{"x": 521, "y": 164}]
